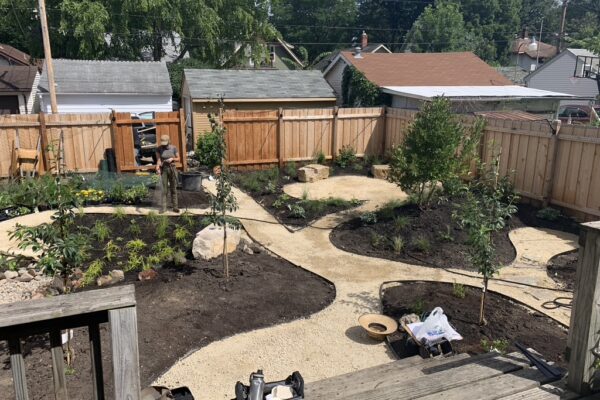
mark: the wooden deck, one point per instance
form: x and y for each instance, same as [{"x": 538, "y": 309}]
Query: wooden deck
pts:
[{"x": 486, "y": 376}]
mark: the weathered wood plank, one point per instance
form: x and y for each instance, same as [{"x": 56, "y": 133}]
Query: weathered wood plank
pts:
[
  {"x": 378, "y": 376},
  {"x": 550, "y": 391},
  {"x": 493, "y": 388},
  {"x": 58, "y": 366},
  {"x": 17, "y": 365},
  {"x": 438, "y": 379},
  {"x": 124, "y": 340},
  {"x": 25, "y": 312},
  {"x": 96, "y": 361}
]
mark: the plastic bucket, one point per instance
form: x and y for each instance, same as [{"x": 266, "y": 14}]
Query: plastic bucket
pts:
[{"x": 191, "y": 181}]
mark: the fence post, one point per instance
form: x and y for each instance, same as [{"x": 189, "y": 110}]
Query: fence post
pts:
[
  {"x": 384, "y": 133},
  {"x": 183, "y": 139},
  {"x": 280, "y": 149},
  {"x": 44, "y": 141},
  {"x": 334, "y": 132},
  {"x": 115, "y": 141},
  {"x": 584, "y": 332},
  {"x": 551, "y": 167}
]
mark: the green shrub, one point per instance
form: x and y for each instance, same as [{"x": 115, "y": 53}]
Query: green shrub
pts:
[
  {"x": 270, "y": 188},
  {"x": 401, "y": 222},
  {"x": 134, "y": 194},
  {"x": 291, "y": 170},
  {"x": 320, "y": 157},
  {"x": 101, "y": 231},
  {"x": 163, "y": 250},
  {"x": 459, "y": 290},
  {"x": 152, "y": 217},
  {"x": 373, "y": 159},
  {"x": 207, "y": 149},
  {"x": 446, "y": 236},
  {"x": 135, "y": 262},
  {"x": 93, "y": 272},
  {"x": 397, "y": 244},
  {"x": 134, "y": 228},
  {"x": 346, "y": 157},
  {"x": 111, "y": 250},
  {"x": 188, "y": 218},
  {"x": 151, "y": 262},
  {"x": 119, "y": 213},
  {"x": 282, "y": 200},
  {"x": 422, "y": 245},
  {"x": 499, "y": 345},
  {"x": 388, "y": 210},
  {"x": 377, "y": 240},
  {"x": 368, "y": 218},
  {"x": 162, "y": 226},
  {"x": 135, "y": 246},
  {"x": 549, "y": 214},
  {"x": 296, "y": 211},
  {"x": 181, "y": 234}
]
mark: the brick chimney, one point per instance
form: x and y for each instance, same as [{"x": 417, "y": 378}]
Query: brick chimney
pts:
[{"x": 364, "y": 40}]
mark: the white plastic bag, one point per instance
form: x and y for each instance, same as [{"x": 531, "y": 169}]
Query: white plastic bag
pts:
[{"x": 435, "y": 328}]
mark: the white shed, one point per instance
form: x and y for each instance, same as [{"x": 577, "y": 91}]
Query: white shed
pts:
[{"x": 87, "y": 86}]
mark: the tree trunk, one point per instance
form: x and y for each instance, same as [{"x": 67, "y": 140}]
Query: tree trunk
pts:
[{"x": 482, "y": 320}]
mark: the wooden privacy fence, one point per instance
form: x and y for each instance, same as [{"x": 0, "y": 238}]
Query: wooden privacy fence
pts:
[
  {"x": 552, "y": 164},
  {"x": 87, "y": 309},
  {"x": 81, "y": 140}
]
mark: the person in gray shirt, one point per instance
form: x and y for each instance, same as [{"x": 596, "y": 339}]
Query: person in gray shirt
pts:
[{"x": 166, "y": 157}]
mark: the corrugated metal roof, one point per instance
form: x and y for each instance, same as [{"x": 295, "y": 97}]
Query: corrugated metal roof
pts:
[
  {"x": 109, "y": 77},
  {"x": 257, "y": 84},
  {"x": 473, "y": 92}
]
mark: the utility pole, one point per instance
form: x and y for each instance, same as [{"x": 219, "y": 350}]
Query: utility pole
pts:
[
  {"x": 48, "y": 56},
  {"x": 563, "y": 19}
]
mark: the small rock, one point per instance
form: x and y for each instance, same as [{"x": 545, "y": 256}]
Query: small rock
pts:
[
  {"x": 256, "y": 248},
  {"x": 37, "y": 296},
  {"x": 38, "y": 278},
  {"x": 147, "y": 275},
  {"x": 25, "y": 278},
  {"x": 2, "y": 276},
  {"x": 31, "y": 271},
  {"x": 247, "y": 250},
  {"x": 313, "y": 172},
  {"x": 11, "y": 274},
  {"x": 76, "y": 284},
  {"x": 22, "y": 271},
  {"x": 58, "y": 283},
  {"x": 39, "y": 273},
  {"x": 380, "y": 171},
  {"x": 117, "y": 275},
  {"x": 77, "y": 274},
  {"x": 104, "y": 280}
]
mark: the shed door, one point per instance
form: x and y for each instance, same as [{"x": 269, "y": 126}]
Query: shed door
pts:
[{"x": 9, "y": 105}]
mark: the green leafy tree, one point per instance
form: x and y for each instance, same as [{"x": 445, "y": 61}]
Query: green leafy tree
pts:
[
  {"x": 436, "y": 151},
  {"x": 224, "y": 201},
  {"x": 488, "y": 204},
  {"x": 441, "y": 28},
  {"x": 358, "y": 91}
]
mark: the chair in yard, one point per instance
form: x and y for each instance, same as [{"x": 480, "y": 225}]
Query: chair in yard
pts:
[{"x": 24, "y": 162}]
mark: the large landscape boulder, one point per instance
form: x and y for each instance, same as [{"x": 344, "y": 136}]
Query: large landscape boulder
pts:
[
  {"x": 380, "y": 171},
  {"x": 208, "y": 243},
  {"x": 313, "y": 172}
]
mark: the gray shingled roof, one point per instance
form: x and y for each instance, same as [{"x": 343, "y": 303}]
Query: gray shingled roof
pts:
[
  {"x": 108, "y": 77},
  {"x": 257, "y": 84}
]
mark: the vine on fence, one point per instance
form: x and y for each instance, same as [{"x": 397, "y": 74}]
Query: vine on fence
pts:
[{"x": 358, "y": 91}]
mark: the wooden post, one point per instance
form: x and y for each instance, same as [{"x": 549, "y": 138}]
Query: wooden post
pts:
[
  {"x": 280, "y": 148},
  {"x": 584, "y": 332},
  {"x": 115, "y": 139},
  {"x": 96, "y": 362},
  {"x": 58, "y": 366},
  {"x": 17, "y": 364},
  {"x": 334, "y": 133},
  {"x": 183, "y": 139},
  {"x": 44, "y": 141},
  {"x": 48, "y": 56},
  {"x": 125, "y": 353},
  {"x": 551, "y": 166},
  {"x": 384, "y": 133}
]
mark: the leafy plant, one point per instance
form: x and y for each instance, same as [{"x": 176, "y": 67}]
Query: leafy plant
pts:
[
  {"x": 179, "y": 257},
  {"x": 119, "y": 213},
  {"x": 498, "y": 345},
  {"x": 135, "y": 262},
  {"x": 134, "y": 228},
  {"x": 270, "y": 187},
  {"x": 188, "y": 218},
  {"x": 291, "y": 170},
  {"x": 296, "y": 211},
  {"x": 401, "y": 222},
  {"x": 346, "y": 157},
  {"x": 282, "y": 200},
  {"x": 101, "y": 231},
  {"x": 151, "y": 262},
  {"x": 320, "y": 157},
  {"x": 437, "y": 149},
  {"x": 135, "y": 194},
  {"x": 397, "y": 244},
  {"x": 207, "y": 149},
  {"x": 181, "y": 234},
  {"x": 152, "y": 217},
  {"x": 422, "y": 245},
  {"x": 388, "y": 210},
  {"x": 163, "y": 250},
  {"x": 135, "y": 246},
  {"x": 549, "y": 214},
  {"x": 111, "y": 250},
  {"x": 459, "y": 290},
  {"x": 358, "y": 91},
  {"x": 418, "y": 307},
  {"x": 489, "y": 202},
  {"x": 162, "y": 226},
  {"x": 368, "y": 218},
  {"x": 377, "y": 240},
  {"x": 93, "y": 272},
  {"x": 446, "y": 235},
  {"x": 305, "y": 193}
]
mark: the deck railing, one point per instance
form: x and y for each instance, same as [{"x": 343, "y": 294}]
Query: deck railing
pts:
[{"x": 87, "y": 309}]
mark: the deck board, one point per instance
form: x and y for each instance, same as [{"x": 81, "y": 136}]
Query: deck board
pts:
[{"x": 550, "y": 391}]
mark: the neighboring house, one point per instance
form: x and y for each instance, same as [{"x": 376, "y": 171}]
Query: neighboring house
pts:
[
  {"x": 365, "y": 47},
  {"x": 84, "y": 86},
  {"x": 250, "y": 89},
  {"x": 470, "y": 83},
  {"x": 564, "y": 74},
  {"x": 515, "y": 73},
  {"x": 527, "y": 59},
  {"x": 18, "y": 87},
  {"x": 11, "y": 56},
  {"x": 280, "y": 55}
]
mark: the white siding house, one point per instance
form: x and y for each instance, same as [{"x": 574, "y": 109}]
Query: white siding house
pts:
[
  {"x": 84, "y": 86},
  {"x": 558, "y": 75}
]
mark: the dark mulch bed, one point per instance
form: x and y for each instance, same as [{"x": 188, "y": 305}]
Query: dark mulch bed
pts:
[
  {"x": 562, "y": 269},
  {"x": 506, "y": 319},
  {"x": 185, "y": 309},
  {"x": 429, "y": 237},
  {"x": 267, "y": 196},
  {"x": 527, "y": 214}
]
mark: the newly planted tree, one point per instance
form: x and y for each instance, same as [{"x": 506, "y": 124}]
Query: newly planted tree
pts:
[
  {"x": 224, "y": 201},
  {"x": 489, "y": 203},
  {"x": 436, "y": 150}
]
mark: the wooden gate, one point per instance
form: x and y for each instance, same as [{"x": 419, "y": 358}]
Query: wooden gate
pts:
[{"x": 167, "y": 123}]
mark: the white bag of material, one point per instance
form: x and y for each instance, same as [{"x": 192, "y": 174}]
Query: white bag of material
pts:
[{"x": 435, "y": 328}]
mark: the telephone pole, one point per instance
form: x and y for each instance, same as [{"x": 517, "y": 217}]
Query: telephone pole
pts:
[
  {"x": 48, "y": 56},
  {"x": 563, "y": 19}
]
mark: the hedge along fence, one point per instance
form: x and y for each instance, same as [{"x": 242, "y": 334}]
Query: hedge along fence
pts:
[{"x": 557, "y": 165}]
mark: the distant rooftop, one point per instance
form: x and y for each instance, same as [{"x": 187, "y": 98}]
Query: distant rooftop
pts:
[
  {"x": 109, "y": 77},
  {"x": 257, "y": 84},
  {"x": 474, "y": 93},
  {"x": 17, "y": 78},
  {"x": 17, "y": 56},
  {"x": 514, "y": 73}
]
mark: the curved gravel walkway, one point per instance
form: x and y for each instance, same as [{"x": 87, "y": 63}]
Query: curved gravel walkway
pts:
[{"x": 329, "y": 343}]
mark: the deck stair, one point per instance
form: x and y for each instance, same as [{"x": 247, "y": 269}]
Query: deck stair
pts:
[{"x": 485, "y": 376}]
